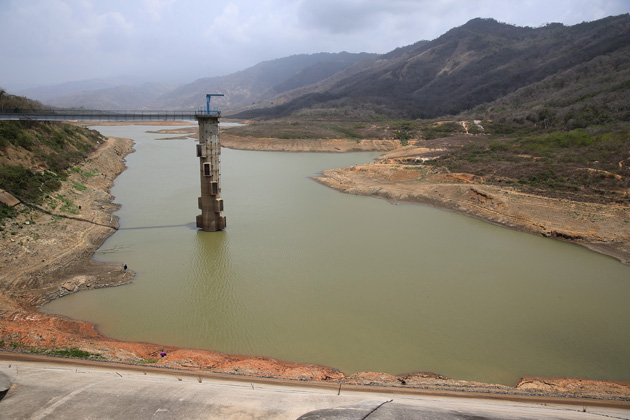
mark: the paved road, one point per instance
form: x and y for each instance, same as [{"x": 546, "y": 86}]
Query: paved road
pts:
[{"x": 52, "y": 390}]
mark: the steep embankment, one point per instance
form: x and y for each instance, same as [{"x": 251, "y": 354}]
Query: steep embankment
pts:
[{"x": 47, "y": 250}]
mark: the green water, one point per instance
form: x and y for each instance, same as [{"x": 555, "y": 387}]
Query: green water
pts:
[{"x": 307, "y": 274}]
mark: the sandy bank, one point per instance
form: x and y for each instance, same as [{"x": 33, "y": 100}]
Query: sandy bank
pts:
[
  {"x": 284, "y": 145},
  {"x": 307, "y": 145},
  {"x": 51, "y": 256}
]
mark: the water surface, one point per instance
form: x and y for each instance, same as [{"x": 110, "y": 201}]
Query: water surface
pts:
[{"x": 307, "y": 274}]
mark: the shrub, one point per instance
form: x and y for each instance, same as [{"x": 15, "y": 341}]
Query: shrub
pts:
[
  {"x": 443, "y": 130},
  {"x": 6, "y": 212},
  {"x": 27, "y": 185}
]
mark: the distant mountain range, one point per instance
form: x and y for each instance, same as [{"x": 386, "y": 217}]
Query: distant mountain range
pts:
[
  {"x": 115, "y": 97},
  {"x": 260, "y": 83},
  {"x": 479, "y": 62},
  {"x": 473, "y": 65},
  {"x": 257, "y": 84}
]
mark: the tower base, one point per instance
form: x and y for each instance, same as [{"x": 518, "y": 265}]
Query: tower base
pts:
[{"x": 211, "y": 222}]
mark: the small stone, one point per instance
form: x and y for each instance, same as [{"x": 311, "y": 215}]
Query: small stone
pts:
[{"x": 69, "y": 286}]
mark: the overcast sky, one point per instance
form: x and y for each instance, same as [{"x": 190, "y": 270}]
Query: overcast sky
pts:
[{"x": 53, "y": 41}]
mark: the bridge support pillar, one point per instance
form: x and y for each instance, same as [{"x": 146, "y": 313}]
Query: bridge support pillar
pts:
[{"x": 208, "y": 152}]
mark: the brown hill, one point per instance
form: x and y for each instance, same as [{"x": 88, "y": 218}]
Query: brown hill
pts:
[{"x": 479, "y": 62}]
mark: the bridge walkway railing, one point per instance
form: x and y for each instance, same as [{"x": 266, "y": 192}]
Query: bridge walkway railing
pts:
[{"x": 104, "y": 115}]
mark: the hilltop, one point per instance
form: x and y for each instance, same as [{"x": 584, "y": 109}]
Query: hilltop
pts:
[
  {"x": 478, "y": 63},
  {"x": 484, "y": 68},
  {"x": 253, "y": 85}
]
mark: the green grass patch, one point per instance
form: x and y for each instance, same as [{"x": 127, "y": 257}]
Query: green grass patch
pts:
[
  {"x": 90, "y": 174},
  {"x": 28, "y": 185},
  {"x": 87, "y": 174},
  {"x": 6, "y": 212},
  {"x": 346, "y": 132},
  {"x": 78, "y": 186},
  {"x": 290, "y": 128},
  {"x": 443, "y": 130},
  {"x": 67, "y": 205},
  {"x": 74, "y": 352}
]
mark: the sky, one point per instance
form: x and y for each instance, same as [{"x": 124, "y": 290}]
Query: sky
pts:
[{"x": 47, "y": 42}]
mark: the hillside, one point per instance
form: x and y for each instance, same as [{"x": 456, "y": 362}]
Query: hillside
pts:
[
  {"x": 256, "y": 84},
  {"x": 593, "y": 93},
  {"x": 479, "y": 62},
  {"x": 46, "y": 93},
  {"x": 35, "y": 156},
  {"x": 118, "y": 97},
  {"x": 465, "y": 70},
  {"x": 260, "y": 82}
]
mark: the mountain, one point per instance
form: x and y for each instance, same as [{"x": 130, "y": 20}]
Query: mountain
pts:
[
  {"x": 479, "y": 62},
  {"x": 259, "y": 83},
  {"x": 46, "y": 93},
  {"x": 593, "y": 93},
  {"x": 117, "y": 97},
  {"x": 481, "y": 66}
]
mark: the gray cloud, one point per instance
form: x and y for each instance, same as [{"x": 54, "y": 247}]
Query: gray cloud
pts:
[
  {"x": 369, "y": 15},
  {"x": 53, "y": 41}
]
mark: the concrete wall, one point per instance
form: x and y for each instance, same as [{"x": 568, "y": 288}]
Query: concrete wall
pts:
[{"x": 209, "y": 153}]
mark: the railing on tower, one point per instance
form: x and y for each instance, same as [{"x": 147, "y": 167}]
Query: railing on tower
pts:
[{"x": 210, "y": 111}]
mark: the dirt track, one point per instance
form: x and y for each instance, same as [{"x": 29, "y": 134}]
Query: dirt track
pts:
[{"x": 45, "y": 256}]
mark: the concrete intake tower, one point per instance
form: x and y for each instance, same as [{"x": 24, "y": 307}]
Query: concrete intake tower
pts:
[{"x": 208, "y": 152}]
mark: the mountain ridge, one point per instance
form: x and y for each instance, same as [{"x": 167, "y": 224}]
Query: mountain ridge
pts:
[
  {"x": 260, "y": 82},
  {"x": 477, "y": 63}
]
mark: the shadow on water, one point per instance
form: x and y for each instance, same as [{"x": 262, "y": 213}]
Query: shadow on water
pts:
[{"x": 192, "y": 226}]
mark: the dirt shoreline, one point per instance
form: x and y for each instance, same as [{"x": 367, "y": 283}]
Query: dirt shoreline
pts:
[{"x": 50, "y": 256}]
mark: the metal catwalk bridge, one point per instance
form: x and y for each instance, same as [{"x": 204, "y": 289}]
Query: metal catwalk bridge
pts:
[{"x": 104, "y": 115}]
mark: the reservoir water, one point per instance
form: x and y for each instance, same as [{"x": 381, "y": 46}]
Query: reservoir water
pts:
[{"x": 304, "y": 273}]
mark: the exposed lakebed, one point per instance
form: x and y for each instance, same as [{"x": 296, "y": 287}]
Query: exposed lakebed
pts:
[{"x": 307, "y": 274}]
